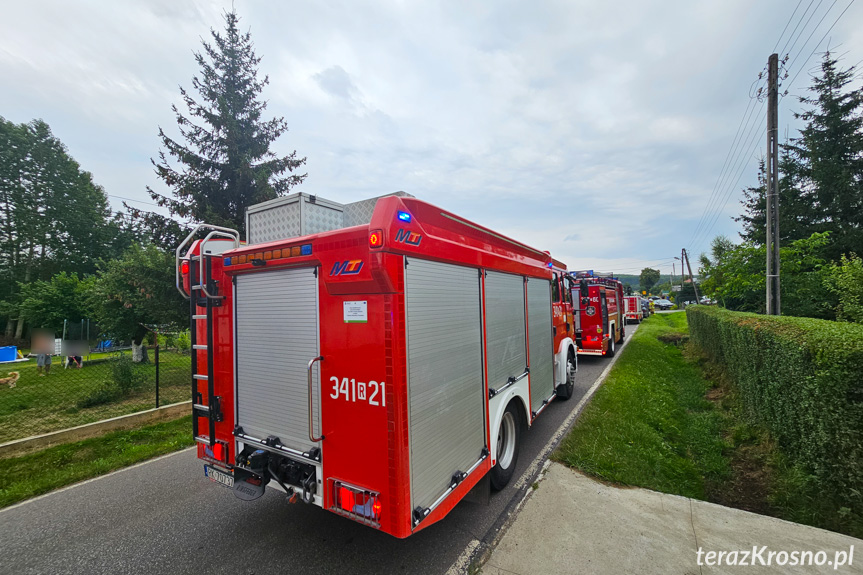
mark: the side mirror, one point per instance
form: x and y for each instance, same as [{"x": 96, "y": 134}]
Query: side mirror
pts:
[{"x": 582, "y": 288}]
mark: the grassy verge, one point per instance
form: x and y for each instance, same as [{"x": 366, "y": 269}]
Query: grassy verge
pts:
[
  {"x": 30, "y": 475},
  {"x": 650, "y": 424}
]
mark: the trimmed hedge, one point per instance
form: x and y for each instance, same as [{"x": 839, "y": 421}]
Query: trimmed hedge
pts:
[{"x": 801, "y": 378}]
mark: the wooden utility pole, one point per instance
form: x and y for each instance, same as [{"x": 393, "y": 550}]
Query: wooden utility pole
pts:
[
  {"x": 692, "y": 279},
  {"x": 772, "y": 191}
]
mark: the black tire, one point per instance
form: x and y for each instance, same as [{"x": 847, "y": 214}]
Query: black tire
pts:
[
  {"x": 612, "y": 345},
  {"x": 564, "y": 391},
  {"x": 507, "y": 448}
]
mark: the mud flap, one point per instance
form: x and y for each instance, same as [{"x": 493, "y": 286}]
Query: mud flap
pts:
[{"x": 248, "y": 486}]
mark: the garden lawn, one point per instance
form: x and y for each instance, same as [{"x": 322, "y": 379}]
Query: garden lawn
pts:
[
  {"x": 40, "y": 405},
  {"x": 649, "y": 424}
]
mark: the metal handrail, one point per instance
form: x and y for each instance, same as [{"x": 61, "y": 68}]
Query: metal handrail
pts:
[
  {"x": 311, "y": 406},
  {"x": 236, "y": 240},
  {"x": 227, "y": 232}
]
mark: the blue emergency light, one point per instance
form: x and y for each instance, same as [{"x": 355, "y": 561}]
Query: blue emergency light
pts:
[
  {"x": 405, "y": 217},
  {"x": 306, "y": 249}
]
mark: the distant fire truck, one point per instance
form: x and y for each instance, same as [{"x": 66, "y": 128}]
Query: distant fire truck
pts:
[
  {"x": 633, "y": 308},
  {"x": 599, "y": 312},
  {"x": 378, "y": 359}
]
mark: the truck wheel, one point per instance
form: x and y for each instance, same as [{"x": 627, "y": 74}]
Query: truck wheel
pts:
[
  {"x": 564, "y": 391},
  {"x": 611, "y": 344},
  {"x": 507, "y": 448}
]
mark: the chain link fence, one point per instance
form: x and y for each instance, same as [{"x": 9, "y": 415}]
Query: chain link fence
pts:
[{"x": 74, "y": 391}]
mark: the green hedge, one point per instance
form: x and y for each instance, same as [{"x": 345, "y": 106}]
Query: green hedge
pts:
[{"x": 802, "y": 378}]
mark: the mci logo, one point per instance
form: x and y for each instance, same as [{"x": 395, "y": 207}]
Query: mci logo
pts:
[
  {"x": 347, "y": 268},
  {"x": 408, "y": 237}
]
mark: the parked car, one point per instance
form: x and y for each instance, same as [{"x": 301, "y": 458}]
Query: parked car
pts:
[{"x": 663, "y": 304}]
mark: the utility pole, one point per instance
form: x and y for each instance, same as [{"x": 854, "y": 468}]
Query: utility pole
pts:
[
  {"x": 692, "y": 279},
  {"x": 772, "y": 191}
]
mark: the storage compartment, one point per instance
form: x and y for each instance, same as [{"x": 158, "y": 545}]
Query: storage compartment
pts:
[
  {"x": 541, "y": 341},
  {"x": 445, "y": 379},
  {"x": 276, "y": 337}
]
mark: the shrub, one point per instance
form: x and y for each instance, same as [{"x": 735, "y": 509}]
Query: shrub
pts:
[
  {"x": 802, "y": 378},
  {"x": 126, "y": 375},
  {"x": 184, "y": 341}
]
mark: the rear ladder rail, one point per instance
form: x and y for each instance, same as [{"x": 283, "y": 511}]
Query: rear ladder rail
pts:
[{"x": 209, "y": 300}]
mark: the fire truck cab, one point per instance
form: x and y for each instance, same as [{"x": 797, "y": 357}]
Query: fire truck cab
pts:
[
  {"x": 378, "y": 359},
  {"x": 599, "y": 299}
]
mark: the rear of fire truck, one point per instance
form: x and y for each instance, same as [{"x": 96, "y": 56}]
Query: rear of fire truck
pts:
[{"x": 347, "y": 355}]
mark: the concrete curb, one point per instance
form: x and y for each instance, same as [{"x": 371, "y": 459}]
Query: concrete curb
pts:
[{"x": 36, "y": 442}]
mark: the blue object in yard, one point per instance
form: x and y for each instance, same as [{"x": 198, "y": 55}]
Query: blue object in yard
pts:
[{"x": 8, "y": 353}]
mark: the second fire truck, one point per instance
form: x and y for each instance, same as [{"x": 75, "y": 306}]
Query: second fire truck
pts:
[{"x": 600, "y": 325}]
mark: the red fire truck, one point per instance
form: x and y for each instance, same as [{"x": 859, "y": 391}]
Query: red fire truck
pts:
[
  {"x": 633, "y": 309},
  {"x": 600, "y": 324},
  {"x": 377, "y": 359}
]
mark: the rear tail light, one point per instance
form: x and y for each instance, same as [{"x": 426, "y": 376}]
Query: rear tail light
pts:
[
  {"x": 184, "y": 268},
  {"x": 359, "y": 504}
]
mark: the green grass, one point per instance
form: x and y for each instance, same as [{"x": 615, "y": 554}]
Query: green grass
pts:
[
  {"x": 649, "y": 425},
  {"x": 43, "y": 404},
  {"x": 31, "y": 475}
]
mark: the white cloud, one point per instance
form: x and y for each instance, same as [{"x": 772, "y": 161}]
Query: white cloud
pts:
[{"x": 594, "y": 130}]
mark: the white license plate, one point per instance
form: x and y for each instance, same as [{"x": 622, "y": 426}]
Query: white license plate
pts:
[{"x": 219, "y": 477}]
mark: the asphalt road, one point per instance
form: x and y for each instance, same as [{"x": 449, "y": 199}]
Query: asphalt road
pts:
[{"x": 165, "y": 517}]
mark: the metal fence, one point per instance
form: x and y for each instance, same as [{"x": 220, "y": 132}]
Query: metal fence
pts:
[{"x": 98, "y": 386}]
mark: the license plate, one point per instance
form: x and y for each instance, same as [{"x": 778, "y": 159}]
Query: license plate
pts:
[{"x": 219, "y": 477}]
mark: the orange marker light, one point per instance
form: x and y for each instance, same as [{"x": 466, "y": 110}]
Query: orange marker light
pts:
[
  {"x": 295, "y": 251},
  {"x": 376, "y": 239}
]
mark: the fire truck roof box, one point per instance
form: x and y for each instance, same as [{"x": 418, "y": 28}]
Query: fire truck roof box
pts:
[
  {"x": 301, "y": 214},
  {"x": 593, "y": 274}
]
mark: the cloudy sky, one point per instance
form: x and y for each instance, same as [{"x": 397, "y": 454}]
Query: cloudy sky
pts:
[{"x": 611, "y": 134}]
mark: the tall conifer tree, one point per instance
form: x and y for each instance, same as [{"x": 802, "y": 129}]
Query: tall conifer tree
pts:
[{"x": 225, "y": 164}]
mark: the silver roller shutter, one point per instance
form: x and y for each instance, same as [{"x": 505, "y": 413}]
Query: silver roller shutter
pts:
[
  {"x": 541, "y": 342},
  {"x": 277, "y": 335},
  {"x": 445, "y": 385},
  {"x": 504, "y": 327}
]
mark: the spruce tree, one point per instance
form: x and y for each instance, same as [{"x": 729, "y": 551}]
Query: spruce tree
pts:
[
  {"x": 225, "y": 164},
  {"x": 829, "y": 155}
]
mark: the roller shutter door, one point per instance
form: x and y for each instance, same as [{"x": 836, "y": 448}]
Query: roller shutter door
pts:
[
  {"x": 504, "y": 327},
  {"x": 445, "y": 385},
  {"x": 277, "y": 335},
  {"x": 541, "y": 341}
]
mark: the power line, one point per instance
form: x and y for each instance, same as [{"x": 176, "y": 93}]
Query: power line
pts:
[
  {"x": 797, "y": 26},
  {"x": 738, "y": 164},
  {"x": 131, "y": 200},
  {"x": 805, "y": 25},
  {"x": 714, "y": 194},
  {"x": 789, "y": 22},
  {"x": 803, "y": 47},
  {"x": 803, "y": 66}
]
